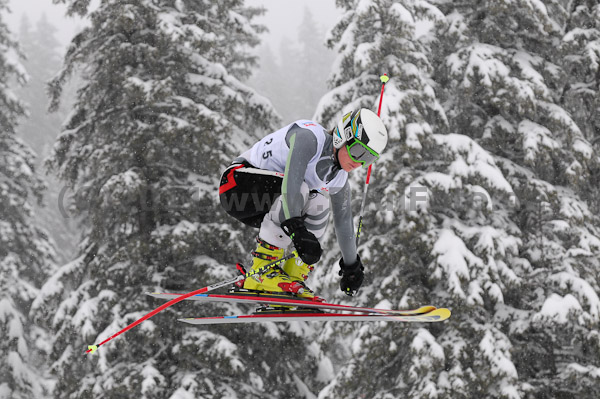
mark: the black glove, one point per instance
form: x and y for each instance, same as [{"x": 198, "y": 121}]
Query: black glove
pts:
[
  {"x": 305, "y": 242},
  {"x": 352, "y": 276}
]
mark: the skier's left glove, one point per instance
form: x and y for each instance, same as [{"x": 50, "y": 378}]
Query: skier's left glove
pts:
[
  {"x": 352, "y": 276},
  {"x": 305, "y": 242}
]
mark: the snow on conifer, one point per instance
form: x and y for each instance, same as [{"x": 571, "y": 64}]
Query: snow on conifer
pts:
[
  {"x": 161, "y": 112},
  {"x": 576, "y": 285},
  {"x": 372, "y": 38},
  {"x": 39, "y": 129},
  {"x": 502, "y": 83},
  {"x": 25, "y": 252},
  {"x": 488, "y": 187}
]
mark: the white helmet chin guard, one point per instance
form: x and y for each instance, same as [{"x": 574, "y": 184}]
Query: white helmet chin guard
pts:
[{"x": 364, "y": 135}]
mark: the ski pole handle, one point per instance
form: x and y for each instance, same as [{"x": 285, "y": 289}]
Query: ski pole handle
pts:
[{"x": 384, "y": 79}]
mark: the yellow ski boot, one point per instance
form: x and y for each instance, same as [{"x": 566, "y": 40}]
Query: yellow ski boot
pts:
[
  {"x": 298, "y": 272},
  {"x": 273, "y": 280}
]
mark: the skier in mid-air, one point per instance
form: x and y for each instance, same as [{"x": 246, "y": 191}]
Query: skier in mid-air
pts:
[{"x": 281, "y": 185}]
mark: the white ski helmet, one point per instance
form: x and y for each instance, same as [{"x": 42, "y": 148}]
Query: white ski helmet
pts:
[{"x": 363, "y": 134}]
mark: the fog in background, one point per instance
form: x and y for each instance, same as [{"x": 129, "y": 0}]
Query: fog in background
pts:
[
  {"x": 34, "y": 9},
  {"x": 290, "y": 37},
  {"x": 282, "y": 18}
]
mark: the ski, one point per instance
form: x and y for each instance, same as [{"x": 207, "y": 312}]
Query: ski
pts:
[
  {"x": 288, "y": 300},
  {"x": 429, "y": 317}
]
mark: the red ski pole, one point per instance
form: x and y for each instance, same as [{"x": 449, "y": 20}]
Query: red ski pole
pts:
[
  {"x": 93, "y": 348},
  {"x": 384, "y": 79}
]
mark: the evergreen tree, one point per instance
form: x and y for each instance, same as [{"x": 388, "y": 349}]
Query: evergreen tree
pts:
[
  {"x": 387, "y": 360},
  {"x": 25, "y": 253},
  {"x": 502, "y": 83},
  {"x": 579, "y": 55},
  {"x": 295, "y": 81},
  {"x": 160, "y": 113},
  {"x": 576, "y": 353},
  {"x": 41, "y": 49},
  {"x": 40, "y": 128},
  {"x": 313, "y": 62},
  {"x": 291, "y": 100},
  {"x": 580, "y": 50},
  {"x": 268, "y": 76},
  {"x": 492, "y": 220}
]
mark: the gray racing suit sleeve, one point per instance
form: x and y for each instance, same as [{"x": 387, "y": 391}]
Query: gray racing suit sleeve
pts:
[
  {"x": 303, "y": 147},
  {"x": 344, "y": 228}
]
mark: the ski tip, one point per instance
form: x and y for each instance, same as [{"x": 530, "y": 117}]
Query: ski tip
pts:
[
  {"x": 384, "y": 78},
  {"x": 441, "y": 313},
  {"x": 92, "y": 349}
]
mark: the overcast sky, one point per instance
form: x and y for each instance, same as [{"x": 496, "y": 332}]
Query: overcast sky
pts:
[
  {"x": 34, "y": 9},
  {"x": 282, "y": 17}
]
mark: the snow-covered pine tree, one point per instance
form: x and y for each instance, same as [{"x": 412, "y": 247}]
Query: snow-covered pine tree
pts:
[
  {"x": 289, "y": 106},
  {"x": 160, "y": 114},
  {"x": 578, "y": 367},
  {"x": 40, "y": 128},
  {"x": 42, "y": 52},
  {"x": 267, "y": 77},
  {"x": 504, "y": 238},
  {"x": 25, "y": 252},
  {"x": 389, "y": 360},
  {"x": 296, "y": 79},
  {"x": 580, "y": 59},
  {"x": 532, "y": 286},
  {"x": 313, "y": 62}
]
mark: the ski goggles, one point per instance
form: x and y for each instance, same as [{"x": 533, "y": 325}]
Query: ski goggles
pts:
[{"x": 360, "y": 153}]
